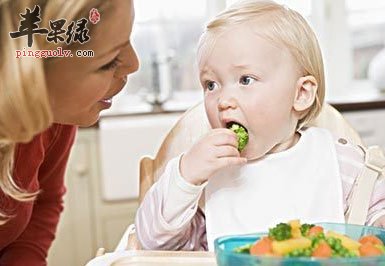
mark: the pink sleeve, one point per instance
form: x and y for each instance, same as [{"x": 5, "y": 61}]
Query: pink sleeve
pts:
[
  {"x": 351, "y": 161},
  {"x": 169, "y": 217}
]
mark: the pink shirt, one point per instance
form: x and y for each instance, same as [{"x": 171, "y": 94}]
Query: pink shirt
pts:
[{"x": 169, "y": 217}]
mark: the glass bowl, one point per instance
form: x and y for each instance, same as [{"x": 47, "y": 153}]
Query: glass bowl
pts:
[{"x": 225, "y": 245}]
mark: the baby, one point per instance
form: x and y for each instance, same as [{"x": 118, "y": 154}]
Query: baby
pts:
[{"x": 261, "y": 69}]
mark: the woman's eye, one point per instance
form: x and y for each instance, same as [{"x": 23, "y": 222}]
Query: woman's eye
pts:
[
  {"x": 246, "y": 80},
  {"x": 211, "y": 85},
  {"x": 111, "y": 65}
]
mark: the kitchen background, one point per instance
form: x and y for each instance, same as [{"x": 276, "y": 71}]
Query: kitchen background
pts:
[{"x": 103, "y": 174}]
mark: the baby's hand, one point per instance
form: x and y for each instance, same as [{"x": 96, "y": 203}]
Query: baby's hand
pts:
[
  {"x": 214, "y": 151},
  {"x": 380, "y": 222}
]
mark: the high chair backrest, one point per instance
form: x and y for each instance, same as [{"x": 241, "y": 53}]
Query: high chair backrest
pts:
[
  {"x": 190, "y": 127},
  {"x": 193, "y": 124}
]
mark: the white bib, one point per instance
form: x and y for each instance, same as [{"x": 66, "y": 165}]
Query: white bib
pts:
[{"x": 302, "y": 182}]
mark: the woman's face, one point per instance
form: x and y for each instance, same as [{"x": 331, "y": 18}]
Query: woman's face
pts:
[{"x": 79, "y": 87}]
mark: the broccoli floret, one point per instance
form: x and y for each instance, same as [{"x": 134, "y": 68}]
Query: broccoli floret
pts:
[
  {"x": 280, "y": 232},
  {"x": 243, "y": 136},
  {"x": 305, "y": 229}
]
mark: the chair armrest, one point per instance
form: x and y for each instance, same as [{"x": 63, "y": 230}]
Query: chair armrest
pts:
[{"x": 129, "y": 240}]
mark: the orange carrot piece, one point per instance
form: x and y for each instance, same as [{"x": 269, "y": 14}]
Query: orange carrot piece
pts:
[
  {"x": 315, "y": 230},
  {"x": 370, "y": 239},
  {"x": 262, "y": 247},
  {"x": 322, "y": 251},
  {"x": 368, "y": 250}
]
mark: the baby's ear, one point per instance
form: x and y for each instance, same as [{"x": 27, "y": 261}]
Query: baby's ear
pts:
[{"x": 306, "y": 89}]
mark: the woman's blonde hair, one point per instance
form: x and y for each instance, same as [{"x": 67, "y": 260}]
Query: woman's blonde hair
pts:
[
  {"x": 24, "y": 102},
  {"x": 283, "y": 26}
]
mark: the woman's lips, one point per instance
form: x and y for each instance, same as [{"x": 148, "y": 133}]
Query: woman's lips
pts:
[
  {"x": 106, "y": 103},
  {"x": 107, "y": 100}
]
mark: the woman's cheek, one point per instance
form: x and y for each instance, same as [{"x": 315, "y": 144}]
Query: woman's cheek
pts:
[{"x": 102, "y": 86}]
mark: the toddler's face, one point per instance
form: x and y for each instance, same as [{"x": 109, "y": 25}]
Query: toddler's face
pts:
[
  {"x": 250, "y": 80},
  {"x": 79, "y": 88}
]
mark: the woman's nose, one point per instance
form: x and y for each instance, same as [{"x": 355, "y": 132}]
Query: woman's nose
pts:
[{"x": 130, "y": 62}]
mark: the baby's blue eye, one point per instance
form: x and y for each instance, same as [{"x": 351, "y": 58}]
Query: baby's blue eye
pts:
[
  {"x": 246, "y": 80},
  {"x": 211, "y": 85}
]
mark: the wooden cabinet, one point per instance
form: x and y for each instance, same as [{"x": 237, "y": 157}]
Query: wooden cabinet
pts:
[
  {"x": 75, "y": 240},
  {"x": 89, "y": 220}
]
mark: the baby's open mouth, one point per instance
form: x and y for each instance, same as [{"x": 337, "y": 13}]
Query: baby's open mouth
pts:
[{"x": 241, "y": 132}]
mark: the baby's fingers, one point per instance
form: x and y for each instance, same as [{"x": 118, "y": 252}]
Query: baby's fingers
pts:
[
  {"x": 226, "y": 151},
  {"x": 231, "y": 161},
  {"x": 225, "y": 137}
]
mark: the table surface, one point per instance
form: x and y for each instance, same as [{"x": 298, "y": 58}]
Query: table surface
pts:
[{"x": 155, "y": 258}]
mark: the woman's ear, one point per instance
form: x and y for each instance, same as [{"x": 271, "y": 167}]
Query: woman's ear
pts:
[{"x": 306, "y": 90}]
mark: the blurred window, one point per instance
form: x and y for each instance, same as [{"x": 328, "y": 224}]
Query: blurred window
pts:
[
  {"x": 366, "y": 20},
  {"x": 167, "y": 29},
  {"x": 351, "y": 29}
]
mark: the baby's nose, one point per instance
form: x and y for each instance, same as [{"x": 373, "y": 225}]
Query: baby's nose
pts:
[{"x": 227, "y": 103}]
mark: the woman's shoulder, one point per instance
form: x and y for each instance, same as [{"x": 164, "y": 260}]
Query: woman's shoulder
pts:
[
  {"x": 57, "y": 137},
  {"x": 58, "y": 134},
  {"x": 60, "y": 130}
]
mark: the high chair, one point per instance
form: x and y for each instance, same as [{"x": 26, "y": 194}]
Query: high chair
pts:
[{"x": 193, "y": 124}]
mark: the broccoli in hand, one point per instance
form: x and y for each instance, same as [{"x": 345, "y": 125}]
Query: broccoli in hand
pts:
[{"x": 243, "y": 136}]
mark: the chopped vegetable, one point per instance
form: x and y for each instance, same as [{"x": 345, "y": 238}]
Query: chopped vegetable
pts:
[
  {"x": 280, "y": 232},
  {"x": 243, "y": 249},
  {"x": 370, "y": 239},
  {"x": 295, "y": 228},
  {"x": 347, "y": 242},
  {"x": 262, "y": 247},
  {"x": 368, "y": 249},
  {"x": 286, "y": 246},
  {"x": 315, "y": 230},
  {"x": 322, "y": 251},
  {"x": 243, "y": 136},
  {"x": 381, "y": 247},
  {"x": 305, "y": 229},
  {"x": 295, "y": 240}
]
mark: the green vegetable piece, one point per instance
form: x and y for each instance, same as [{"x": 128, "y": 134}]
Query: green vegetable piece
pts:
[
  {"x": 243, "y": 249},
  {"x": 380, "y": 247},
  {"x": 305, "y": 228},
  {"x": 307, "y": 252},
  {"x": 281, "y": 231},
  {"x": 331, "y": 241},
  {"x": 243, "y": 136}
]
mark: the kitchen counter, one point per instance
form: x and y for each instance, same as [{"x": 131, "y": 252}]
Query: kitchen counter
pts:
[
  {"x": 360, "y": 97},
  {"x": 378, "y": 103},
  {"x": 135, "y": 105}
]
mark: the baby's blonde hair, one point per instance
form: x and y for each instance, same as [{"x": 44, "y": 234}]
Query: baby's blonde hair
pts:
[
  {"x": 24, "y": 102},
  {"x": 284, "y": 26}
]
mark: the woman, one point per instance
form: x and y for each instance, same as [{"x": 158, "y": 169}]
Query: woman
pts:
[{"x": 42, "y": 101}]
